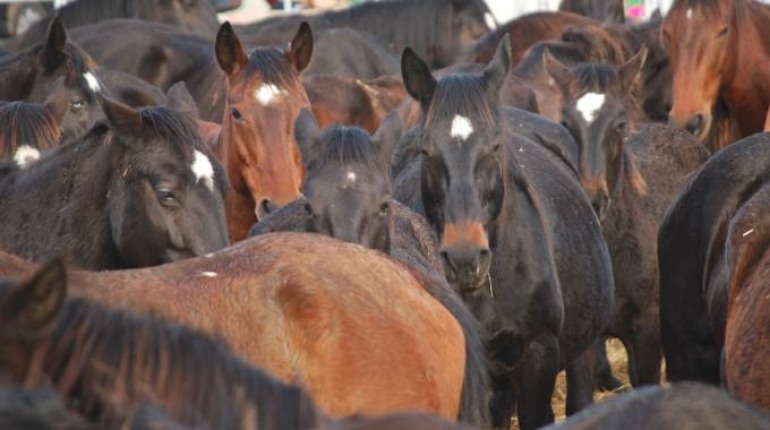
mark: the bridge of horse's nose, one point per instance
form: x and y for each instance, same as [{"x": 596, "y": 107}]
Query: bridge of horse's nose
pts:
[
  {"x": 465, "y": 261},
  {"x": 695, "y": 124}
]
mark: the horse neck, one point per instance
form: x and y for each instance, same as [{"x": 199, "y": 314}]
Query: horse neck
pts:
[
  {"x": 17, "y": 75},
  {"x": 63, "y": 196},
  {"x": 83, "y": 12}
]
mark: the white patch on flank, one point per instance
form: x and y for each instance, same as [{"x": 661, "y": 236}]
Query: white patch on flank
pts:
[
  {"x": 589, "y": 105},
  {"x": 748, "y": 232},
  {"x": 25, "y": 155},
  {"x": 202, "y": 169},
  {"x": 490, "y": 20},
  {"x": 689, "y": 13},
  {"x": 267, "y": 93},
  {"x": 461, "y": 127},
  {"x": 93, "y": 83},
  {"x": 209, "y": 274}
]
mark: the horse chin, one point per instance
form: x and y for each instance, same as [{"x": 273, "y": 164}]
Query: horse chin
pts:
[{"x": 469, "y": 283}]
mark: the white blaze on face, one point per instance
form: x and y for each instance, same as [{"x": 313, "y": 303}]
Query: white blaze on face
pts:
[
  {"x": 589, "y": 105},
  {"x": 461, "y": 128},
  {"x": 490, "y": 20},
  {"x": 203, "y": 169},
  {"x": 266, "y": 94},
  {"x": 92, "y": 82},
  {"x": 25, "y": 155},
  {"x": 209, "y": 274},
  {"x": 689, "y": 13}
]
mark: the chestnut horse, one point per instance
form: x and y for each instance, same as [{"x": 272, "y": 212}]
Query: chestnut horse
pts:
[
  {"x": 358, "y": 330},
  {"x": 104, "y": 362},
  {"x": 718, "y": 48},
  {"x": 257, "y": 145}
]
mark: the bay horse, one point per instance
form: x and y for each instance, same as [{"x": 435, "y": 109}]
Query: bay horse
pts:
[
  {"x": 257, "y": 144},
  {"x": 439, "y": 30},
  {"x": 140, "y": 189},
  {"x": 193, "y": 16},
  {"x": 669, "y": 406},
  {"x": 608, "y": 11},
  {"x": 631, "y": 172},
  {"x": 358, "y": 331},
  {"x": 694, "y": 267},
  {"x": 717, "y": 50},
  {"x": 347, "y": 197},
  {"x": 499, "y": 203}
]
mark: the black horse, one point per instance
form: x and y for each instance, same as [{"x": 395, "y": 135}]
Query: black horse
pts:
[
  {"x": 140, "y": 190},
  {"x": 519, "y": 240}
]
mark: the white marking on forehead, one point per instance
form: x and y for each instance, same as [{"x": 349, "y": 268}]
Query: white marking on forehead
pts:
[
  {"x": 25, "y": 155},
  {"x": 202, "y": 169},
  {"x": 748, "y": 232},
  {"x": 209, "y": 274},
  {"x": 589, "y": 105},
  {"x": 267, "y": 93},
  {"x": 92, "y": 82},
  {"x": 689, "y": 13},
  {"x": 461, "y": 128},
  {"x": 490, "y": 20}
]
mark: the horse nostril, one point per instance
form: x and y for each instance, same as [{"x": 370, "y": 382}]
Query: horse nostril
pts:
[
  {"x": 265, "y": 207},
  {"x": 694, "y": 124}
]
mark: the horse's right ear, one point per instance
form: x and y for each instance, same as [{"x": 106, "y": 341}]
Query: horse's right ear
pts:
[
  {"x": 33, "y": 305},
  {"x": 388, "y": 135},
  {"x": 231, "y": 56},
  {"x": 121, "y": 117},
  {"x": 557, "y": 70},
  {"x": 301, "y": 48},
  {"x": 52, "y": 55},
  {"x": 57, "y": 101},
  {"x": 306, "y": 132},
  {"x": 178, "y": 97},
  {"x": 418, "y": 80}
]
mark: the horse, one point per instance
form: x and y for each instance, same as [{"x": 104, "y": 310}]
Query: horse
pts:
[
  {"x": 347, "y": 197},
  {"x": 668, "y": 407},
  {"x": 610, "y": 11},
  {"x": 196, "y": 16},
  {"x": 140, "y": 189},
  {"x": 257, "y": 144},
  {"x": 359, "y": 332},
  {"x": 631, "y": 172},
  {"x": 27, "y": 129},
  {"x": 499, "y": 204},
  {"x": 439, "y": 30},
  {"x": 717, "y": 50},
  {"x": 346, "y": 52},
  {"x": 693, "y": 265}
]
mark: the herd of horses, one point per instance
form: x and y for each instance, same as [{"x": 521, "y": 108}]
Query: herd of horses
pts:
[{"x": 286, "y": 225}]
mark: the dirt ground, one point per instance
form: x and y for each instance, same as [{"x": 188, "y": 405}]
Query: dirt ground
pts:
[{"x": 617, "y": 357}]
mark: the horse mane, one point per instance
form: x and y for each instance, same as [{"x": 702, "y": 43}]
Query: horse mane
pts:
[
  {"x": 272, "y": 65},
  {"x": 174, "y": 126},
  {"x": 460, "y": 94},
  {"x": 102, "y": 357},
  {"x": 83, "y": 12},
  {"x": 27, "y": 124},
  {"x": 344, "y": 145}
]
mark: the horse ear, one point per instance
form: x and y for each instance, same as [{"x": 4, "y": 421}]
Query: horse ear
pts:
[
  {"x": 33, "y": 305},
  {"x": 121, "y": 117},
  {"x": 178, "y": 97},
  {"x": 630, "y": 71},
  {"x": 558, "y": 71},
  {"x": 52, "y": 54},
  {"x": 230, "y": 53},
  {"x": 306, "y": 132},
  {"x": 497, "y": 70},
  {"x": 57, "y": 101},
  {"x": 418, "y": 80},
  {"x": 388, "y": 135},
  {"x": 301, "y": 47}
]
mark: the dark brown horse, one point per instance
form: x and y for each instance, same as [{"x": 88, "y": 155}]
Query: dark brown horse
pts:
[
  {"x": 500, "y": 204},
  {"x": 358, "y": 331},
  {"x": 257, "y": 144},
  {"x": 718, "y": 49},
  {"x": 631, "y": 171},
  {"x": 600, "y": 10},
  {"x": 28, "y": 129},
  {"x": 138, "y": 190}
]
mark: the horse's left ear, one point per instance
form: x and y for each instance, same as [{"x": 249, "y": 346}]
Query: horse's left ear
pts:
[
  {"x": 178, "y": 97},
  {"x": 388, "y": 135},
  {"x": 33, "y": 305},
  {"x": 301, "y": 48},
  {"x": 52, "y": 55},
  {"x": 418, "y": 80},
  {"x": 497, "y": 70},
  {"x": 230, "y": 53},
  {"x": 57, "y": 101},
  {"x": 121, "y": 117},
  {"x": 630, "y": 71},
  {"x": 306, "y": 132}
]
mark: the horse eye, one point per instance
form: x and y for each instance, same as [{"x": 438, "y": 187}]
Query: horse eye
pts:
[
  {"x": 309, "y": 210},
  {"x": 166, "y": 196},
  {"x": 77, "y": 103},
  {"x": 620, "y": 125},
  {"x": 236, "y": 115},
  {"x": 384, "y": 207},
  {"x": 723, "y": 31}
]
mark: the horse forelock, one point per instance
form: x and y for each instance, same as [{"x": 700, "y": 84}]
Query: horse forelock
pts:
[
  {"x": 462, "y": 95},
  {"x": 344, "y": 146},
  {"x": 28, "y": 124},
  {"x": 272, "y": 68}
]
